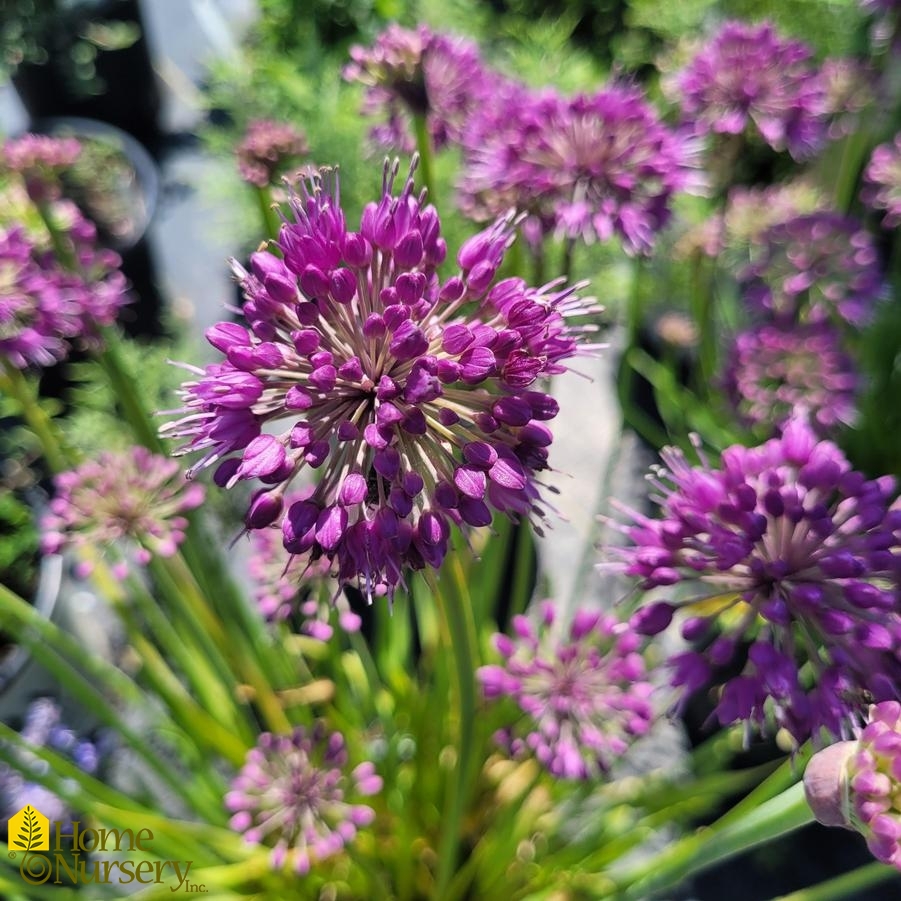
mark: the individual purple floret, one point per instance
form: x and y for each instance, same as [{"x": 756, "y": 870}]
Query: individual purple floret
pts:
[
  {"x": 44, "y": 306},
  {"x": 749, "y": 74},
  {"x": 295, "y": 793},
  {"x": 587, "y": 167},
  {"x": 134, "y": 495},
  {"x": 267, "y": 148},
  {"x": 418, "y": 399},
  {"x": 777, "y": 371},
  {"x": 42, "y": 728},
  {"x": 857, "y": 784},
  {"x": 882, "y": 182},
  {"x": 794, "y": 558},
  {"x": 584, "y": 697},
  {"x": 815, "y": 268},
  {"x": 40, "y": 159},
  {"x": 285, "y": 584},
  {"x": 410, "y": 73}
]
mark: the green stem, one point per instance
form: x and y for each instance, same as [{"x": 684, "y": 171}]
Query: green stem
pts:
[
  {"x": 269, "y": 217},
  {"x": 61, "y": 246},
  {"x": 694, "y": 853},
  {"x": 424, "y": 147},
  {"x": 848, "y": 885},
  {"x": 130, "y": 401},
  {"x": 460, "y": 635},
  {"x": 566, "y": 264},
  {"x": 14, "y": 384}
]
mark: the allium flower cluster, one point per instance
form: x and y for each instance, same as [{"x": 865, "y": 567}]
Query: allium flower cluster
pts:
[
  {"x": 295, "y": 791},
  {"x": 857, "y": 784},
  {"x": 777, "y": 371},
  {"x": 588, "y": 167},
  {"x": 286, "y": 584},
  {"x": 749, "y": 74},
  {"x": 794, "y": 556},
  {"x": 584, "y": 697},
  {"x": 44, "y": 306},
  {"x": 416, "y": 398},
  {"x": 133, "y": 495},
  {"x": 849, "y": 90},
  {"x": 267, "y": 148},
  {"x": 882, "y": 188},
  {"x": 40, "y": 159},
  {"x": 410, "y": 73},
  {"x": 815, "y": 268},
  {"x": 42, "y": 728}
]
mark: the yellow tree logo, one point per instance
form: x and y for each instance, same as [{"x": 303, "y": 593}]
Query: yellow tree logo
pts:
[{"x": 29, "y": 830}]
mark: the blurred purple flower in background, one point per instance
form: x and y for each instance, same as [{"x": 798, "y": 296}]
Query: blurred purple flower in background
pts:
[
  {"x": 749, "y": 74},
  {"x": 588, "y": 167},
  {"x": 814, "y": 268},
  {"x": 417, "y": 72},
  {"x": 882, "y": 182},
  {"x": 133, "y": 494},
  {"x": 791, "y": 553},
  {"x": 584, "y": 697},
  {"x": 39, "y": 160},
  {"x": 294, "y": 790},
  {"x": 778, "y": 371},
  {"x": 417, "y": 398},
  {"x": 46, "y": 306},
  {"x": 267, "y": 148},
  {"x": 43, "y": 728}
]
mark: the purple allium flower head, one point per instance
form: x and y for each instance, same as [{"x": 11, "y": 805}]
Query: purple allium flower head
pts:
[
  {"x": 419, "y": 73},
  {"x": 857, "y": 784},
  {"x": 589, "y": 167},
  {"x": 285, "y": 583},
  {"x": 849, "y": 86},
  {"x": 294, "y": 791},
  {"x": 794, "y": 554},
  {"x": 42, "y": 728},
  {"x": 813, "y": 268},
  {"x": 267, "y": 148},
  {"x": 748, "y": 74},
  {"x": 40, "y": 159},
  {"x": 135, "y": 495},
  {"x": 416, "y": 398},
  {"x": 44, "y": 307},
  {"x": 776, "y": 371},
  {"x": 584, "y": 697},
  {"x": 882, "y": 182}
]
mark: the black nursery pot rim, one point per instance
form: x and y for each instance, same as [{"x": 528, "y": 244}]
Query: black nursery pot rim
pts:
[{"x": 136, "y": 153}]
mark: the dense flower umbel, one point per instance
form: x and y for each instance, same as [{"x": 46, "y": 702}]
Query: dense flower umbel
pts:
[
  {"x": 40, "y": 159},
  {"x": 749, "y": 74},
  {"x": 812, "y": 268},
  {"x": 134, "y": 494},
  {"x": 791, "y": 551},
  {"x": 294, "y": 791},
  {"x": 419, "y": 73},
  {"x": 584, "y": 697},
  {"x": 777, "y": 371},
  {"x": 267, "y": 148},
  {"x": 44, "y": 307},
  {"x": 588, "y": 167},
  {"x": 858, "y": 783},
  {"x": 882, "y": 188},
  {"x": 416, "y": 398}
]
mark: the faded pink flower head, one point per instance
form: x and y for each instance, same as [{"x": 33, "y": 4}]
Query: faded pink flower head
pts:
[
  {"x": 583, "y": 696},
  {"x": 295, "y": 793},
  {"x": 134, "y": 495},
  {"x": 267, "y": 148},
  {"x": 40, "y": 159}
]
